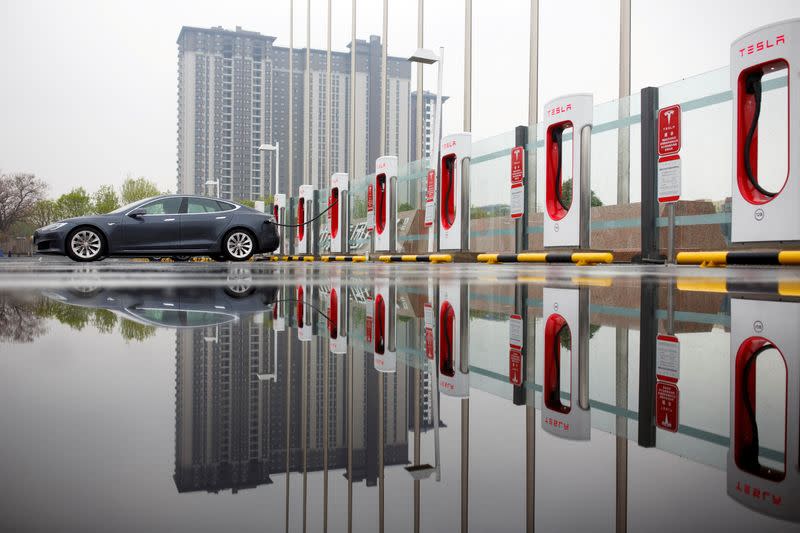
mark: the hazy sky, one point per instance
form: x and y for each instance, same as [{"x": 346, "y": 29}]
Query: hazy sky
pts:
[{"x": 89, "y": 88}]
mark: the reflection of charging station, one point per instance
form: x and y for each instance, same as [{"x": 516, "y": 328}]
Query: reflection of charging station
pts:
[
  {"x": 338, "y": 306},
  {"x": 566, "y": 326},
  {"x": 762, "y": 212},
  {"x": 758, "y": 327},
  {"x": 456, "y": 151},
  {"x": 279, "y": 212},
  {"x": 305, "y": 315},
  {"x": 337, "y": 215},
  {"x": 385, "y": 190},
  {"x": 568, "y": 128},
  {"x": 384, "y": 313},
  {"x": 305, "y": 212},
  {"x": 453, "y": 329}
]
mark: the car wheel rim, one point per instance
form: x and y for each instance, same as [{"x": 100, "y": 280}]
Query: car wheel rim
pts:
[
  {"x": 86, "y": 244},
  {"x": 239, "y": 245}
]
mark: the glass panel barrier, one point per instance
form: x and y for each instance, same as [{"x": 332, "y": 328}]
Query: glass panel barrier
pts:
[{"x": 412, "y": 235}]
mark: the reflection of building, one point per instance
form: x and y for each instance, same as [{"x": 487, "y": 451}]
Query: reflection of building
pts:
[
  {"x": 231, "y": 428},
  {"x": 233, "y": 94}
]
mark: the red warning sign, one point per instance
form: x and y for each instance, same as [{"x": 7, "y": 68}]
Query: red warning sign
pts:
[
  {"x": 429, "y": 195},
  {"x": 370, "y": 208},
  {"x": 667, "y": 402},
  {"x": 517, "y": 181},
  {"x": 669, "y": 130}
]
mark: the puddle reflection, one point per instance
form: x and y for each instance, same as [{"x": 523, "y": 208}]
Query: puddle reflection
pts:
[{"x": 289, "y": 383}]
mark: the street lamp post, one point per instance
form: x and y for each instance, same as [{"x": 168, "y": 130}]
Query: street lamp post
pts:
[
  {"x": 428, "y": 57},
  {"x": 277, "y": 149}
]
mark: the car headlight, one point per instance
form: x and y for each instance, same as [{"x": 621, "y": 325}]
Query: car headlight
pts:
[{"x": 54, "y": 226}]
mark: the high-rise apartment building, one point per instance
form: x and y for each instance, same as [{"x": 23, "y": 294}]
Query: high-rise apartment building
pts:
[
  {"x": 233, "y": 95},
  {"x": 428, "y": 117}
]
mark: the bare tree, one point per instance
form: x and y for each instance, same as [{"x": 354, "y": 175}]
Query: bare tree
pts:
[{"x": 19, "y": 192}]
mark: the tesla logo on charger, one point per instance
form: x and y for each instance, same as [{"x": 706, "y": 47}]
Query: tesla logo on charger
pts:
[
  {"x": 449, "y": 144},
  {"x": 383, "y": 165},
  {"x": 759, "y": 494},
  {"x": 760, "y": 46},
  {"x": 447, "y": 385},
  {"x": 553, "y": 111}
]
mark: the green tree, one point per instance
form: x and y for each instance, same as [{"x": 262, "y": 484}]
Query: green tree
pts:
[
  {"x": 75, "y": 203},
  {"x": 105, "y": 199},
  {"x": 43, "y": 212},
  {"x": 566, "y": 194},
  {"x": 133, "y": 331},
  {"x": 137, "y": 189},
  {"x": 18, "y": 194}
]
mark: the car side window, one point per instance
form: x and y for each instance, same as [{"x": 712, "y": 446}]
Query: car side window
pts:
[
  {"x": 202, "y": 205},
  {"x": 225, "y": 206},
  {"x": 164, "y": 206}
]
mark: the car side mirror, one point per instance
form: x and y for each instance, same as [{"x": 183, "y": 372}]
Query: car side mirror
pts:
[{"x": 137, "y": 213}]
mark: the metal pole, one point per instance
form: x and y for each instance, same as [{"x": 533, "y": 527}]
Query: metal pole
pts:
[
  {"x": 288, "y": 421},
  {"x": 304, "y": 432},
  {"x": 325, "y": 371},
  {"x": 291, "y": 233},
  {"x": 307, "y": 102},
  {"x": 384, "y": 88},
  {"x": 328, "y": 101},
  {"x": 277, "y": 167},
  {"x": 352, "y": 165},
  {"x": 420, "y": 89},
  {"x": 465, "y": 464},
  {"x": 465, "y": 173},
  {"x": 622, "y": 430},
  {"x": 623, "y": 143},
  {"x": 350, "y": 375},
  {"x": 417, "y": 448},
  {"x": 381, "y": 486},
  {"x": 533, "y": 111},
  {"x": 671, "y": 232},
  {"x": 437, "y": 135}
]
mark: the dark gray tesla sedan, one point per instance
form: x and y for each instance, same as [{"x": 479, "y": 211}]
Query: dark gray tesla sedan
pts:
[{"x": 168, "y": 225}]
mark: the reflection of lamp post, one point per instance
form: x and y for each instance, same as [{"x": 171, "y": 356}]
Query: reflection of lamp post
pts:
[
  {"x": 215, "y": 183},
  {"x": 277, "y": 149},
  {"x": 428, "y": 57},
  {"x": 424, "y": 471}
]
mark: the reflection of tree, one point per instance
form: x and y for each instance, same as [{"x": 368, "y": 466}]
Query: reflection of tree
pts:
[
  {"x": 133, "y": 331},
  {"x": 565, "y": 336},
  {"x": 18, "y": 322},
  {"x": 22, "y": 319}
]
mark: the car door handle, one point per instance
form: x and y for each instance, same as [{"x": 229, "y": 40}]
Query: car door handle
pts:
[
  {"x": 221, "y": 218},
  {"x": 168, "y": 219}
]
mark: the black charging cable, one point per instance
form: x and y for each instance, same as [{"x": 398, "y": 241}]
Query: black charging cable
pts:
[
  {"x": 753, "y": 86},
  {"x": 751, "y": 455},
  {"x": 450, "y": 164},
  {"x": 309, "y": 221}
]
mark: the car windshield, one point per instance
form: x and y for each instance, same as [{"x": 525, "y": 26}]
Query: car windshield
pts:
[{"x": 128, "y": 207}]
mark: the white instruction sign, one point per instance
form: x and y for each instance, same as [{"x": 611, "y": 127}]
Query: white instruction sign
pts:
[
  {"x": 668, "y": 358},
  {"x": 669, "y": 178},
  {"x": 515, "y": 333}
]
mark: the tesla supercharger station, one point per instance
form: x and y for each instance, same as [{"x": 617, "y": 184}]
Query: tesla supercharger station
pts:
[
  {"x": 279, "y": 212},
  {"x": 305, "y": 212},
  {"x": 760, "y": 213},
  {"x": 453, "y": 190},
  {"x": 566, "y": 221},
  {"x": 758, "y": 327},
  {"x": 385, "y": 187},
  {"x": 566, "y": 311},
  {"x": 305, "y": 316},
  {"x": 338, "y": 214},
  {"x": 453, "y": 319},
  {"x": 384, "y": 312},
  {"x": 338, "y": 307}
]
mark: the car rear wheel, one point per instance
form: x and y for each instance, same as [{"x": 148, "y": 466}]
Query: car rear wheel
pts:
[
  {"x": 181, "y": 258},
  {"x": 85, "y": 244},
  {"x": 238, "y": 245}
]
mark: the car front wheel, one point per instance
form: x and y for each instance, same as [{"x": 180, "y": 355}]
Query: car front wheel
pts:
[
  {"x": 238, "y": 245},
  {"x": 85, "y": 244}
]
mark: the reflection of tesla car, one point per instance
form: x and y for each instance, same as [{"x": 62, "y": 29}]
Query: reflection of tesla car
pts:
[
  {"x": 170, "y": 225},
  {"x": 184, "y": 307}
]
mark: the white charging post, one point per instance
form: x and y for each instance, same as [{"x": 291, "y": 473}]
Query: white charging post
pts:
[
  {"x": 338, "y": 216},
  {"x": 338, "y": 307},
  {"x": 384, "y": 309},
  {"x": 453, "y": 191},
  {"x": 279, "y": 212},
  {"x": 385, "y": 191},
  {"x": 759, "y": 327},
  {"x": 305, "y": 212},
  {"x": 566, "y": 311},
  {"x": 762, "y": 212},
  {"x": 566, "y": 220},
  {"x": 453, "y": 329}
]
